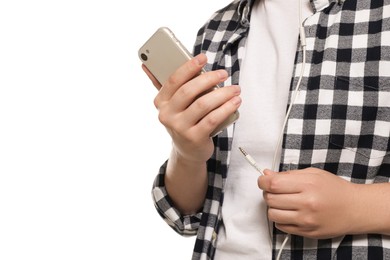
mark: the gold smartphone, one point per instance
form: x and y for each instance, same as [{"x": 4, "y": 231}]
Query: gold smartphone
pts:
[{"x": 163, "y": 54}]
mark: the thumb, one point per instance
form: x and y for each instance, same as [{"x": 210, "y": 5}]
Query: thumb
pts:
[{"x": 268, "y": 172}]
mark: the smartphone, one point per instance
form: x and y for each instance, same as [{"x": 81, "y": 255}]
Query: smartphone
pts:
[{"x": 163, "y": 54}]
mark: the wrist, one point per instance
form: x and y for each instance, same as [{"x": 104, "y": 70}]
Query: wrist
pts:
[
  {"x": 185, "y": 160},
  {"x": 370, "y": 211}
]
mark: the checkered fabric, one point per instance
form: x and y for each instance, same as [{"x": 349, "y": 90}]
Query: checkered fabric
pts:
[{"x": 339, "y": 122}]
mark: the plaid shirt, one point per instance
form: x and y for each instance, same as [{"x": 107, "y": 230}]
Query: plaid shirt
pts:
[{"x": 340, "y": 121}]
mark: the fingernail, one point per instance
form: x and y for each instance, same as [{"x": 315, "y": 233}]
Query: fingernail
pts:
[
  {"x": 236, "y": 100},
  {"x": 237, "y": 89},
  {"x": 222, "y": 74},
  {"x": 200, "y": 59}
]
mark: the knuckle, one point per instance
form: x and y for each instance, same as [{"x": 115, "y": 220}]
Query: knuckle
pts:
[
  {"x": 212, "y": 121},
  {"x": 162, "y": 118},
  {"x": 202, "y": 104},
  {"x": 185, "y": 91},
  {"x": 267, "y": 197},
  {"x": 312, "y": 232},
  {"x": 274, "y": 185},
  {"x": 311, "y": 204},
  {"x": 308, "y": 221},
  {"x": 210, "y": 78},
  {"x": 173, "y": 80},
  {"x": 156, "y": 102},
  {"x": 260, "y": 184},
  {"x": 272, "y": 215}
]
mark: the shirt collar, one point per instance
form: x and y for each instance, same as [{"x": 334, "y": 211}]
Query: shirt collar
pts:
[{"x": 317, "y": 5}]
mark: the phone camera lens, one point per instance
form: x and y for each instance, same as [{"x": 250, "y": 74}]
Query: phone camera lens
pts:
[{"x": 144, "y": 56}]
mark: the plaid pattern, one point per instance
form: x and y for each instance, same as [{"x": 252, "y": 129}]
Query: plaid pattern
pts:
[{"x": 339, "y": 122}]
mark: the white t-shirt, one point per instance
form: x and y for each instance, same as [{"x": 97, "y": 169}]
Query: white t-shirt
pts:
[{"x": 265, "y": 81}]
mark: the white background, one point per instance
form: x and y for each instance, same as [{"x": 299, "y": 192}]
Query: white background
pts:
[{"x": 80, "y": 143}]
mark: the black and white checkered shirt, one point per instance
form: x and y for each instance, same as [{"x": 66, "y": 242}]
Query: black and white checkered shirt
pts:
[{"x": 340, "y": 121}]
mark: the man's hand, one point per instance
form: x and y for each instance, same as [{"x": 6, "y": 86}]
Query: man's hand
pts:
[{"x": 311, "y": 202}]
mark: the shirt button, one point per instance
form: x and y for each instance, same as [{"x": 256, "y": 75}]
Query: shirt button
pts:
[{"x": 214, "y": 237}]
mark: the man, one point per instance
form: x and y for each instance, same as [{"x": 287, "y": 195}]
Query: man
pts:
[{"x": 325, "y": 196}]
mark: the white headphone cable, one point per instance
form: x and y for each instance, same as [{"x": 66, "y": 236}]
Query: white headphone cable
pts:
[
  {"x": 302, "y": 38},
  {"x": 284, "y": 125}
]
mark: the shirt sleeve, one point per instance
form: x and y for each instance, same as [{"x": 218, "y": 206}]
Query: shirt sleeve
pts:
[{"x": 185, "y": 225}]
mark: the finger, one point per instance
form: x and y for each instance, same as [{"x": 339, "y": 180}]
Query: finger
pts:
[
  {"x": 207, "y": 124},
  {"x": 289, "y": 229},
  {"x": 197, "y": 87},
  {"x": 183, "y": 74},
  {"x": 282, "y": 201},
  {"x": 216, "y": 117},
  {"x": 182, "y": 112},
  {"x": 297, "y": 230},
  {"x": 268, "y": 172},
  {"x": 286, "y": 217},
  {"x": 216, "y": 99},
  {"x": 280, "y": 183}
]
